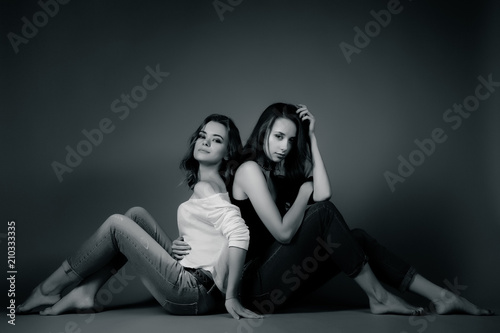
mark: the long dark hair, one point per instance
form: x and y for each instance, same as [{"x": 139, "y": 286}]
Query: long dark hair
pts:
[
  {"x": 190, "y": 165},
  {"x": 299, "y": 157}
]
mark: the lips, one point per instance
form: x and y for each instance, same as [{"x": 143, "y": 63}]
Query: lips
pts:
[
  {"x": 203, "y": 150},
  {"x": 280, "y": 156}
]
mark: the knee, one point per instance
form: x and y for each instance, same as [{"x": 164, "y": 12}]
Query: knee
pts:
[
  {"x": 358, "y": 232},
  {"x": 321, "y": 213},
  {"x": 135, "y": 211},
  {"x": 113, "y": 221},
  {"x": 324, "y": 206}
]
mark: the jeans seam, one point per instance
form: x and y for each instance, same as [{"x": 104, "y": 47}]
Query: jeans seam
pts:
[
  {"x": 149, "y": 260},
  {"x": 332, "y": 216},
  {"x": 87, "y": 254},
  {"x": 272, "y": 256}
]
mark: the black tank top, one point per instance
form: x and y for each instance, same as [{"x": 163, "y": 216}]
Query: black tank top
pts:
[{"x": 260, "y": 238}]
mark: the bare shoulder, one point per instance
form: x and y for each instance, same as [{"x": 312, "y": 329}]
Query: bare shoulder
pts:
[
  {"x": 248, "y": 169},
  {"x": 204, "y": 189},
  {"x": 249, "y": 181}
]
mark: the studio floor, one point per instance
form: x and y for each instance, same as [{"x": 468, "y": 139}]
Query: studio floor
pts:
[{"x": 150, "y": 317}]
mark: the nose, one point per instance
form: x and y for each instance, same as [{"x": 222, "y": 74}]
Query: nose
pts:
[
  {"x": 284, "y": 146},
  {"x": 206, "y": 142}
]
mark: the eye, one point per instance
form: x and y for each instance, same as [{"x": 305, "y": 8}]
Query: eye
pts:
[
  {"x": 279, "y": 136},
  {"x": 201, "y": 136},
  {"x": 291, "y": 140},
  {"x": 217, "y": 140}
]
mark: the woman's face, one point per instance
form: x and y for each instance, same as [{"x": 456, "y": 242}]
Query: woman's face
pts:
[
  {"x": 211, "y": 145},
  {"x": 280, "y": 140}
]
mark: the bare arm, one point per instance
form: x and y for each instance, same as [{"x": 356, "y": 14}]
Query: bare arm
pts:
[
  {"x": 234, "y": 228},
  {"x": 322, "y": 190},
  {"x": 233, "y": 305},
  {"x": 250, "y": 180}
]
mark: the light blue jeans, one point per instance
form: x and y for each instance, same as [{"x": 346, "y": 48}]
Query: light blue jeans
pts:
[{"x": 137, "y": 238}]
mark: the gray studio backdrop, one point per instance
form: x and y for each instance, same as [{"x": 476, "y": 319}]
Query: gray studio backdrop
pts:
[{"x": 99, "y": 98}]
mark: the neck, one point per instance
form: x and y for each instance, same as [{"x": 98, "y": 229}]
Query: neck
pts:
[
  {"x": 267, "y": 164},
  {"x": 208, "y": 172}
]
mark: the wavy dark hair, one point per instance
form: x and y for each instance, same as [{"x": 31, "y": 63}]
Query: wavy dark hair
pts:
[
  {"x": 298, "y": 160},
  {"x": 190, "y": 165}
]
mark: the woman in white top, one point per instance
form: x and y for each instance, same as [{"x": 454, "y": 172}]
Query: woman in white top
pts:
[{"x": 204, "y": 279}]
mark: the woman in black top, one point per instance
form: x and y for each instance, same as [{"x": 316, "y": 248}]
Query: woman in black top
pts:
[{"x": 299, "y": 238}]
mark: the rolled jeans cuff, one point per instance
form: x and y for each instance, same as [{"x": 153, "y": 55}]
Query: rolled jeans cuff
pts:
[
  {"x": 358, "y": 268},
  {"x": 70, "y": 271},
  {"x": 407, "y": 279}
]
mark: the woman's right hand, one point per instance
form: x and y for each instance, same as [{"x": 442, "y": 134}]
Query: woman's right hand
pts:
[
  {"x": 180, "y": 248},
  {"x": 305, "y": 114},
  {"x": 235, "y": 309}
]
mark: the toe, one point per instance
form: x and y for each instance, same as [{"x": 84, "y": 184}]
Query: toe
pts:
[
  {"x": 46, "y": 312},
  {"x": 418, "y": 312},
  {"x": 487, "y": 312}
]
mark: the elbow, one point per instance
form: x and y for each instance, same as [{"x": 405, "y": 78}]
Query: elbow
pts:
[
  {"x": 284, "y": 240},
  {"x": 318, "y": 197},
  {"x": 284, "y": 237}
]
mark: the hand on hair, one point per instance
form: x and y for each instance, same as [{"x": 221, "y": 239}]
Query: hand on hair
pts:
[{"x": 305, "y": 114}]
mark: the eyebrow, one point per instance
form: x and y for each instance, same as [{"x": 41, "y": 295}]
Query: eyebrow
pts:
[
  {"x": 279, "y": 132},
  {"x": 220, "y": 136}
]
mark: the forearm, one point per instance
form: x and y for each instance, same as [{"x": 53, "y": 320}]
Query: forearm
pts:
[
  {"x": 233, "y": 305},
  {"x": 294, "y": 216},
  {"x": 236, "y": 260},
  {"x": 322, "y": 190}
]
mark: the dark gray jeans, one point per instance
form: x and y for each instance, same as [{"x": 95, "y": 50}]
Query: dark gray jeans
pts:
[{"x": 322, "y": 247}]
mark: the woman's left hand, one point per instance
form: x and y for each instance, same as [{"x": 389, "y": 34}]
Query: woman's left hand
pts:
[
  {"x": 305, "y": 114},
  {"x": 234, "y": 307},
  {"x": 180, "y": 248}
]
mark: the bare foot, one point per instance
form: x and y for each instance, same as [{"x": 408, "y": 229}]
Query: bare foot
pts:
[
  {"x": 77, "y": 300},
  {"x": 389, "y": 303},
  {"x": 36, "y": 299},
  {"x": 452, "y": 303}
]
